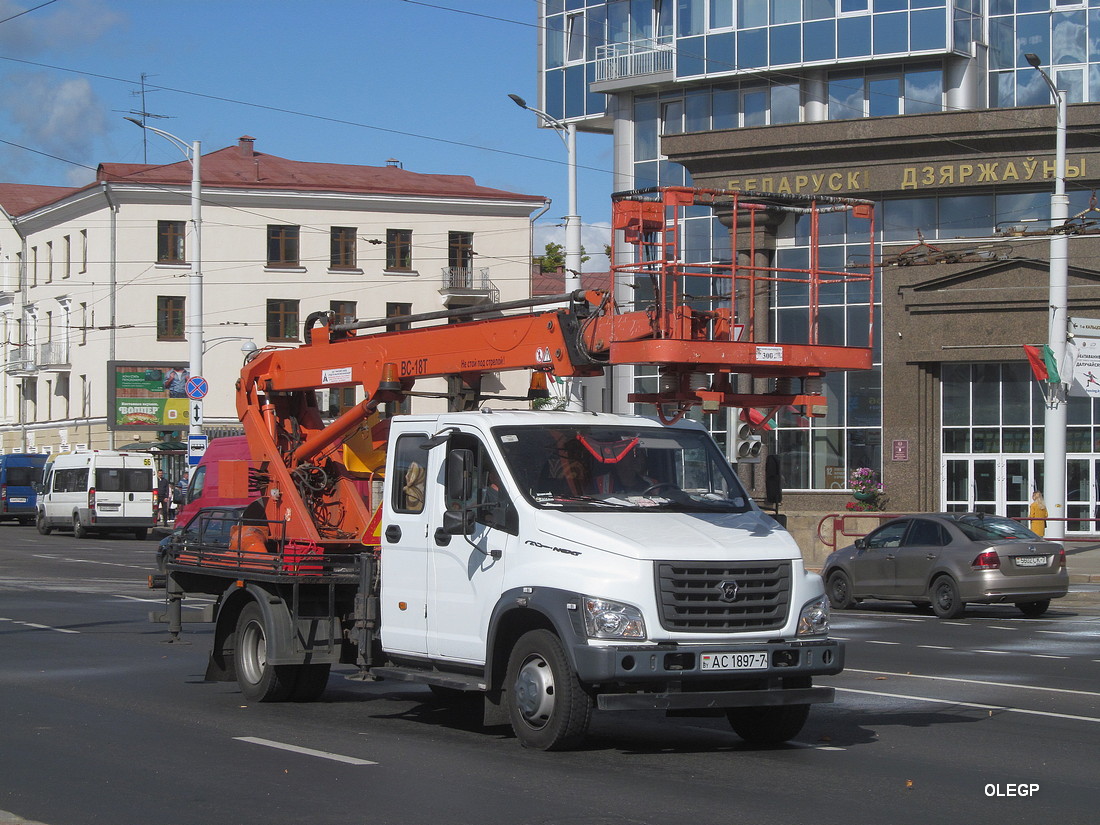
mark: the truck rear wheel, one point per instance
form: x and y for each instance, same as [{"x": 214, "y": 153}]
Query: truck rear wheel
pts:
[
  {"x": 261, "y": 681},
  {"x": 548, "y": 708}
]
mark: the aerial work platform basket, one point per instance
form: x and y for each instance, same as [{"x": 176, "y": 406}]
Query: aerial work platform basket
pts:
[{"x": 713, "y": 319}]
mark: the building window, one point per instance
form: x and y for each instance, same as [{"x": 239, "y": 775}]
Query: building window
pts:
[
  {"x": 282, "y": 246},
  {"x": 342, "y": 248},
  {"x": 460, "y": 250},
  {"x": 170, "y": 315},
  {"x": 170, "y": 242},
  {"x": 343, "y": 312},
  {"x": 282, "y": 319},
  {"x": 395, "y": 311},
  {"x": 83, "y": 250},
  {"x": 68, "y": 265},
  {"x": 49, "y": 262},
  {"x": 399, "y": 249}
]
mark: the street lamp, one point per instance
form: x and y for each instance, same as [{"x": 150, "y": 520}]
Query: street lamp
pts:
[
  {"x": 248, "y": 347},
  {"x": 1054, "y": 417},
  {"x": 568, "y": 134},
  {"x": 193, "y": 154}
]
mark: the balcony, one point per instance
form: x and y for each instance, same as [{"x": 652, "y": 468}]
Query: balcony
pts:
[
  {"x": 21, "y": 361},
  {"x": 467, "y": 286},
  {"x": 54, "y": 356},
  {"x": 636, "y": 59}
]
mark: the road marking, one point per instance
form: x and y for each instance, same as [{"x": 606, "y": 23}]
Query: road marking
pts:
[
  {"x": 335, "y": 757},
  {"x": 90, "y": 561},
  {"x": 879, "y": 642},
  {"x": 38, "y": 626},
  {"x": 1002, "y": 627},
  {"x": 1046, "y": 656},
  {"x": 995, "y": 652},
  {"x": 976, "y": 705},
  {"x": 935, "y": 647},
  {"x": 971, "y": 681}
]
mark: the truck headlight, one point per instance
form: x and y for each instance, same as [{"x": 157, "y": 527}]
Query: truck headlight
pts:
[
  {"x": 814, "y": 618},
  {"x": 604, "y": 619}
]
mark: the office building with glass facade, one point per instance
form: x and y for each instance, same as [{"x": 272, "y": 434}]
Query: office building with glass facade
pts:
[{"x": 927, "y": 107}]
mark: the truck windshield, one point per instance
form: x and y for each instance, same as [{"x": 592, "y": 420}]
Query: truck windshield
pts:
[{"x": 599, "y": 467}]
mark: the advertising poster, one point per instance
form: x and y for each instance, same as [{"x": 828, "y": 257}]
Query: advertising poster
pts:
[{"x": 147, "y": 395}]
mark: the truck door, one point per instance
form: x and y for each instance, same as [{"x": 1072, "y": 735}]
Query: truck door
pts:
[
  {"x": 467, "y": 571},
  {"x": 405, "y": 545}
]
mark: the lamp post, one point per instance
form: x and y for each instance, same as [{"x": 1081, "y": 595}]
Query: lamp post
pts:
[
  {"x": 568, "y": 134},
  {"x": 194, "y": 323},
  {"x": 1054, "y": 417}
]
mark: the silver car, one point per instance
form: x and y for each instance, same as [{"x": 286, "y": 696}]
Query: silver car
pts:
[{"x": 947, "y": 560}]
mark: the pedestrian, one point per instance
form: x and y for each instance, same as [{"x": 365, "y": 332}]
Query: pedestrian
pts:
[
  {"x": 1037, "y": 512},
  {"x": 164, "y": 496}
]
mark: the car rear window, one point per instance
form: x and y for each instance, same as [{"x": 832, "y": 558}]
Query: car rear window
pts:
[
  {"x": 23, "y": 476},
  {"x": 986, "y": 529},
  {"x": 120, "y": 480}
]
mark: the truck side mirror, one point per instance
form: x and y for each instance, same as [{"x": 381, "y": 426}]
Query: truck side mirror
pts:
[
  {"x": 458, "y": 522},
  {"x": 460, "y": 477}
]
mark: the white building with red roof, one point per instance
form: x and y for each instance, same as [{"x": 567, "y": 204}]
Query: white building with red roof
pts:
[{"x": 94, "y": 281}]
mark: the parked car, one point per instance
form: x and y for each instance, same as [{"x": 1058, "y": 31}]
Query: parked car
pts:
[
  {"x": 947, "y": 560},
  {"x": 20, "y": 475}
]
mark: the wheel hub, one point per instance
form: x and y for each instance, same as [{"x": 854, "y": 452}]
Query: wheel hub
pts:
[{"x": 534, "y": 689}]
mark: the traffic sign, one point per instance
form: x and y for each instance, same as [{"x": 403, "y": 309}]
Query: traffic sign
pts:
[
  {"x": 196, "y": 447},
  {"x": 197, "y": 387}
]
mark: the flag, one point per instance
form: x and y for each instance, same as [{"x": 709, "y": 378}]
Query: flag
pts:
[{"x": 1043, "y": 365}]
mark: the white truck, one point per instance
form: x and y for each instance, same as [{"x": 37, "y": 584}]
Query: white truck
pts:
[{"x": 551, "y": 562}]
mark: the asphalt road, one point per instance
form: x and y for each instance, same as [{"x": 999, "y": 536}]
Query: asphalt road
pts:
[{"x": 991, "y": 718}]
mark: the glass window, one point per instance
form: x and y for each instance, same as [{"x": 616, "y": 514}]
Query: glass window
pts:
[
  {"x": 1068, "y": 37},
  {"x": 170, "y": 242},
  {"x": 786, "y": 103},
  {"x": 752, "y": 49},
  {"x": 923, "y": 92},
  {"x": 690, "y": 57},
  {"x": 785, "y": 43},
  {"x": 170, "y": 317},
  {"x": 460, "y": 250},
  {"x": 724, "y": 108},
  {"x": 645, "y": 128},
  {"x": 819, "y": 40},
  {"x": 1002, "y": 43},
  {"x": 752, "y": 13},
  {"x": 721, "y": 52},
  {"x": 955, "y": 393},
  {"x": 1032, "y": 35},
  {"x": 691, "y": 16},
  {"x": 786, "y": 11},
  {"x": 697, "y": 110},
  {"x": 574, "y": 37},
  {"x": 754, "y": 103},
  {"x": 554, "y": 43},
  {"x": 282, "y": 245},
  {"x": 399, "y": 250},
  {"x": 927, "y": 30},
  {"x": 342, "y": 247},
  {"x": 903, "y": 217},
  {"x": 818, "y": 9},
  {"x": 282, "y": 319},
  {"x": 891, "y": 33},
  {"x": 853, "y": 36},
  {"x": 410, "y": 466},
  {"x": 721, "y": 14},
  {"x": 964, "y": 216},
  {"x": 845, "y": 97},
  {"x": 883, "y": 96},
  {"x": 986, "y": 394}
]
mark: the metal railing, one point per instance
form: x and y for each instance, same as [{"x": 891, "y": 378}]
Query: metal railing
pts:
[
  {"x": 53, "y": 353},
  {"x": 465, "y": 277},
  {"x": 616, "y": 61}
]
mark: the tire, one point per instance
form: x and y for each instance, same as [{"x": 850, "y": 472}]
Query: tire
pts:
[
  {"x": 770, "y": 725},
  {"x": 141, "y": 533},
  {"x": 1033, "y": 610},
  {"x": 548, "y": 708},
  {"x": 263, "y": 682},
  {"x": 79, "y": 530},
  {"x": 944, "y": 595},
  {"x": 40, "y": 524},
  {"x": 839, "y": 590}
]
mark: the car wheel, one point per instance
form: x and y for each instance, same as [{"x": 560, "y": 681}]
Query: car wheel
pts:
[
  {"x": 141, "y": 533},
  {"x": 839, "y": 590},
  {"x": 547, "y": 706},
  {"x": 40, "y": 523},
  {"x": 944, "y": 595},
  {"x": 1033, "y": 610},
  {"x": 79, "y": 530}
]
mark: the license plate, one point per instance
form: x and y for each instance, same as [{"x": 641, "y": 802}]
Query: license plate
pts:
[
  {"x": 1031, "y": 561},
  {"x": 754, "y": 660},
  {"x": 18, "y": 500}
]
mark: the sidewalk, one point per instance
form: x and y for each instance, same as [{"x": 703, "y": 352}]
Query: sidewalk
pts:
[{"x": 1083, "y": 563}]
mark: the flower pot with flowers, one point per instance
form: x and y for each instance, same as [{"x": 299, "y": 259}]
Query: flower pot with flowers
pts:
[{"x": 866, "y": 490}]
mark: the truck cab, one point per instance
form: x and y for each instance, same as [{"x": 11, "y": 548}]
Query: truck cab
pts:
[{"x": 559, "y": 554}]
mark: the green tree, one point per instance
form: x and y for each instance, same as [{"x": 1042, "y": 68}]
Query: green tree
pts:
[{"x": 554, "y": 257}]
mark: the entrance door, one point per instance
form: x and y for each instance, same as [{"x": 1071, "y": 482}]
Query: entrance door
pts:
[
  {"x": 974, "y": 485},
  {"x": 1003, "y": 486}
]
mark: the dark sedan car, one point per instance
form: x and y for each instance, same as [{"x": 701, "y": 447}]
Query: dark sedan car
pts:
[{"x": 947, "y": 560}]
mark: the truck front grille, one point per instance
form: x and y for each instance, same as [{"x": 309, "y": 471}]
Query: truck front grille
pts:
[{"x": 712, "y": 597}]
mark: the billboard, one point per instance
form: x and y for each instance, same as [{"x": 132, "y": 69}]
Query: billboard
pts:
[{"x": 147, "y": 395}]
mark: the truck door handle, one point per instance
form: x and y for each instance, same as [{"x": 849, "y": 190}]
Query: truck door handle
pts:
[
  {"x": 393, "y": 534},
  {"x": 442, "y": 538}
]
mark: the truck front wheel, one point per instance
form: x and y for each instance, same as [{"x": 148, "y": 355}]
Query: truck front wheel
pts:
[
  {"x": 261, "y": 681},
  {"x": 547, "y": 706},
  {"x": 768, "y": 726}
]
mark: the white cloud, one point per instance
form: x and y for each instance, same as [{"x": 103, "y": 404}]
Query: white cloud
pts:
[{"x": 58, "y": 117}]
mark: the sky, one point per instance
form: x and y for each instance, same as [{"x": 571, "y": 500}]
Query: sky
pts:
[{"x": 357, "y": 82}]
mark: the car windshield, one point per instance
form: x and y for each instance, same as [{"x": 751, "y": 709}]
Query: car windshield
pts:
[
  {"x": 992, "y": 528},
  {"x": 575, "y": 467}
]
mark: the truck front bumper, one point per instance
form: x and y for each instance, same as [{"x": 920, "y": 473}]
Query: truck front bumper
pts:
[{"x": 670, "y": 677}]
